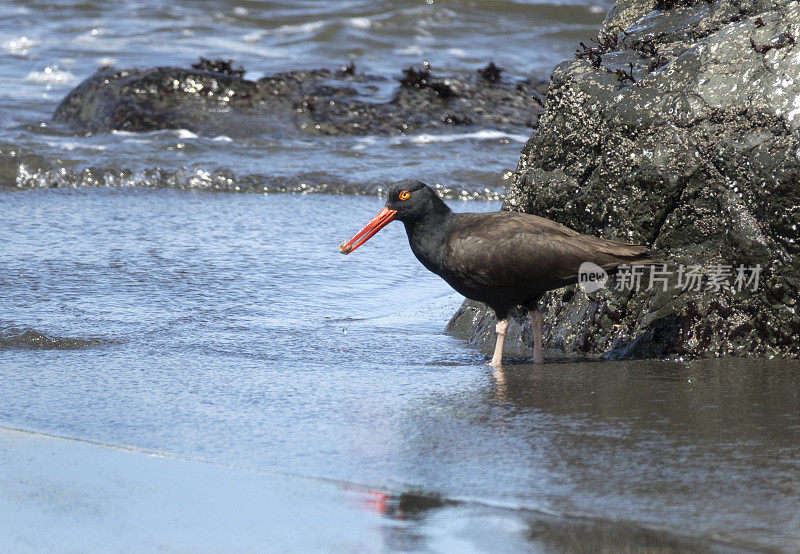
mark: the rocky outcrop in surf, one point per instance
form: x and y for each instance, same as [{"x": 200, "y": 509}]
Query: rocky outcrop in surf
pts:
[
  {"x": 214, "y": 97},
  {"x": 680, "y": 129},
  {"x": 30, "y": 339}
]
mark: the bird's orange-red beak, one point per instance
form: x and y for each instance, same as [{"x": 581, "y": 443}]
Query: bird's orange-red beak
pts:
[{"x": 373, "y": 226}]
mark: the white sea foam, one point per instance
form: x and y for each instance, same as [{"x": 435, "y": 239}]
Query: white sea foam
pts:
[
  {"x": 300, "y": 28},
  {"x": 90, "y": 36},
  {"x": 255, "y": 36},
  {"x": 131, "y": 137},
  {"x": 185, "y": 134},
  {"x": 363, "y": 142},
  {"x": 426, "y": 138},
  {"x": 222, "y": 138},
  {"x": 360, "y": 22},
  {"x": 20, "y": 46},
  {"x": 70, "y": 146},
  {"x": 485, "y": 134},
  {"x": 50, "y": 76},
  {"x": 411, "y": 50}
]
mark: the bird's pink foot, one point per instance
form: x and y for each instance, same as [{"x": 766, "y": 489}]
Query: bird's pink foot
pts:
[
  {"x": 500, "y": 329},
  {"x": 536, "y": 325}
]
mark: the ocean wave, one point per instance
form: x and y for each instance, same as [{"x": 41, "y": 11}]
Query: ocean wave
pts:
[
  {"x": 299, "y": 28},
  {"x": 71, "y": 145},
  {"x": 33, "y": 173},
  {"x": 426, "y": 138},
  {"x": 485, "y": 134},
  {"x": 185, "y": 134},
  {"x": 22, "y": 168}
]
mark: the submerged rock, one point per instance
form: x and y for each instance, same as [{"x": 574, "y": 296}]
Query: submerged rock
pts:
[
  {"x": 679, "y": 129},
  {"x": 213, "y": 96},
  {"x": 30, "y": 339}
]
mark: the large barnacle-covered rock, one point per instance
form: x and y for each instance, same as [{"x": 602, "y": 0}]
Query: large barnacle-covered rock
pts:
[{"x": 679, "y": 129}]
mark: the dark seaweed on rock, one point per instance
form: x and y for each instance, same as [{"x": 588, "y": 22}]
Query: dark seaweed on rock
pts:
[
  {"x": 625, "y": 75},
  {"x": 456, "y": 119},
  {"x": 589, "y": 53},
  {"x": 782, "y": 40},
  {"x": 219, "y": 66},
  {"x": 423, "y": 79},
  {"x": 657, "y": 62},
  {"x": 348, "y": 69},
  {"x": 443, "y": 90},
  {"x": 606, "y": 43},
  {"x": 700, "y": 159},
  {"x": 491, "y": 73},
  {"x": 416, "y": 78}
]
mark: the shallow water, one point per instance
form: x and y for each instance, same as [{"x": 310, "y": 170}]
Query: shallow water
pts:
[{"x": 226, "y": 328}]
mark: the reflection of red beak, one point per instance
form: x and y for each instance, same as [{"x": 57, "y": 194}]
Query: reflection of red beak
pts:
[
  {"x": 375, "y": 224},
  {"x": 377, "y": 502}
]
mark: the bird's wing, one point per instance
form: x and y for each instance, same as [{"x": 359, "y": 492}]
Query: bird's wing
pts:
[{"x": 515, "y": 249}]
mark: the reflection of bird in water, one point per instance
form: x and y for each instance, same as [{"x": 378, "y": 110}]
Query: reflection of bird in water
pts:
[
  {"x": 501, "y": 390},
  {"x": 403, "y": 506},
  {"x": 503, "y": 259}
]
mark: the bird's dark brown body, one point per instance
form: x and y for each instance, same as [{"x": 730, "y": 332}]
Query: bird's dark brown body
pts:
[
  {"x": 502, "y": 259},
  {"x": 505, "y": 259}
]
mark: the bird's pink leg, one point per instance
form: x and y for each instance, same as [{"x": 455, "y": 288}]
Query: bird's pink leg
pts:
[
  {"x": 500, "y": 329},
  {"x": 536, "y": 325}
]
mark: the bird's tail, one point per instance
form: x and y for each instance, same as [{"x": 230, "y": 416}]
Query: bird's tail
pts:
[
  {"x": 645, "y": 258},
  {"x": 622, "y": 253}
]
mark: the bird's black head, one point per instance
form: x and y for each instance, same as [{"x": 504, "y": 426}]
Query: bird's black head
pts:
[
  {"x": 412, "y": 200},
  {"x": 407, "y": 201}
]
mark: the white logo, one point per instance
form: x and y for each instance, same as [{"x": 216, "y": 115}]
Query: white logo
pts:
[{"x": 591, "y": 277}]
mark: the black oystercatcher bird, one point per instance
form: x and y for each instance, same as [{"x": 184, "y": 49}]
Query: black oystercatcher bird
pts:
[{"x": 503, "y": 259}]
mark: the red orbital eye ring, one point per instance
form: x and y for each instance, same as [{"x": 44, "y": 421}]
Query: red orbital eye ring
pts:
[{"x": 404, "y": 195}]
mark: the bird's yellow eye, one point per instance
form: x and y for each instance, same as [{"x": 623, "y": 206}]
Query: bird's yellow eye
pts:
[{"x": 404, "y": 195}]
